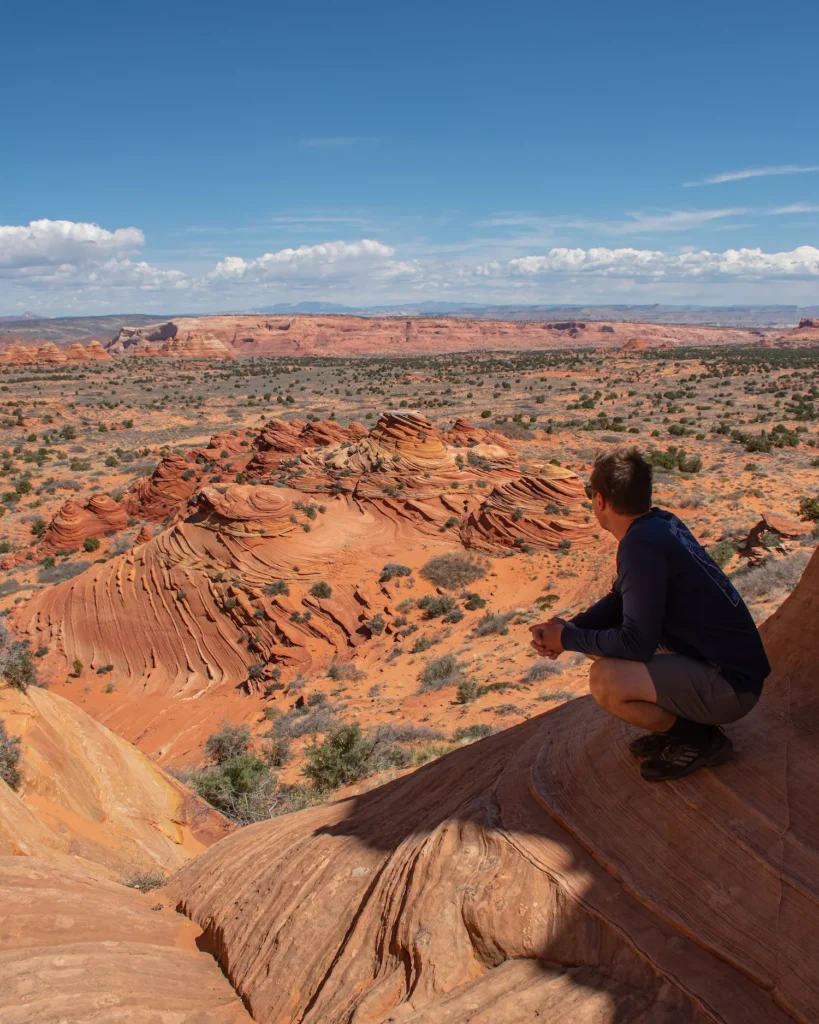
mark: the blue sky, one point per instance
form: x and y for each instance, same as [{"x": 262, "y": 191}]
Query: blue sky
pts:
[{"x": 170, "y": 157}]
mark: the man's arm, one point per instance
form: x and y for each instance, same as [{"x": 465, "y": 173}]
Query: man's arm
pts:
[
  {"x": 603, "y": 614},
  {"x": 643, "y": 581}
]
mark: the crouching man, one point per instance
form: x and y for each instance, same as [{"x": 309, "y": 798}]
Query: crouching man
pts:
[{"x": 676, "y": 650}]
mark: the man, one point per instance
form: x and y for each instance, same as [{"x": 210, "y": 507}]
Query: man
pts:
[{"x": 676, "y": 650}]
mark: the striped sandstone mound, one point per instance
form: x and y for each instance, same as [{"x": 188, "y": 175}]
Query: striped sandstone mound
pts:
[{"x": 75, "y": 522}]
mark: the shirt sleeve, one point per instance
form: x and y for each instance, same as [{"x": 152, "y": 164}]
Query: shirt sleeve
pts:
[
  {"x": 603, "y": 614},
  {"x": 643, "y": 585}
]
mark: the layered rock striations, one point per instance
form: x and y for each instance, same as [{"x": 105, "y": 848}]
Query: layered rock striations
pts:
[
  {"x": 75, "y": 522},
  {"x": 545, "y": 511},
  {"x": 89, "y": 797},
  {"x": 165, "y": 492},
  {"x": 534, "y": 876},
  {"x": 214, "y": 608},
  {"x": 79, "y": 948},
  {"x": 49, "y": 353}
]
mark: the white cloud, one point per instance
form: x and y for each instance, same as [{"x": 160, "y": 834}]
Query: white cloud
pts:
[
  {"x": 327, "y": 259},
  {"x": 796, "y": 208},
  {"x": 48, "y": 242},
  {"x": 752, "y": 172},
  {"x": 746, "y": 264},
  {"x": 637, "y": 223}
]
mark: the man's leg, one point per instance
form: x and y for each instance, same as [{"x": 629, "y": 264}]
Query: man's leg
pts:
[{"x": 625, "y": 689}]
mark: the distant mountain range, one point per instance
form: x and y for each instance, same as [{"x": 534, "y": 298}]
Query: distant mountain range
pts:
[{"x": 64, "y": 330}]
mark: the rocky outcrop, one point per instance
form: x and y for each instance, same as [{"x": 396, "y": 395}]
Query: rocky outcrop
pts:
[
  {"x": 463, "y": 434},
  {"x": 545, "y": 511},
  {"x": 534, "y": 876},
  {"x": 196, "y": 347},
  {"x": 279, "y": 441},
  {"x": 165, "y": 492},
  {"x": 89, "y": 797},
  {"x": 771, "y": 530},
  {"x": 75, "y": 522},
  {"x": 79, "y": 948},
  {"x": 131, "y": 337},
  {"x": 184, "y": 616},
  {"x": 808, "y": 323}
]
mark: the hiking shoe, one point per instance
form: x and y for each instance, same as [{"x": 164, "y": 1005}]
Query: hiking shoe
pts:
[
  {"x": 680, "y": 759},
  {"x": 649, "y": 744}
]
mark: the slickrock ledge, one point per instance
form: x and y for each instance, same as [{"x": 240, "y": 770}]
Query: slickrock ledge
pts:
[{"x": 533, "y": 876}]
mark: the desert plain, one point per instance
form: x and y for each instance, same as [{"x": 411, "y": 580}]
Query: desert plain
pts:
[{"x": 255, "y": 565}]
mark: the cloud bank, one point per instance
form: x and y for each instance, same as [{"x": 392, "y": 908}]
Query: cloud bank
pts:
[{"x": 63, "y": 267}]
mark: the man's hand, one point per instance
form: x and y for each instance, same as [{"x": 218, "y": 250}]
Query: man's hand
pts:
[{"x": 546, "y": 638}]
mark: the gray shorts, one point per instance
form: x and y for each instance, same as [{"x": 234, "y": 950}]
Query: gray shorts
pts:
[{"x": 697, "y": 690}]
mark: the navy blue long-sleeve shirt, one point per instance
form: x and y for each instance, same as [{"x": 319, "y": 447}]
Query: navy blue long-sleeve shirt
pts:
[{"x": 670, "y": 593}]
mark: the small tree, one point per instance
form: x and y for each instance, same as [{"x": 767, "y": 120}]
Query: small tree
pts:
[{"x": 9, "y": 758}]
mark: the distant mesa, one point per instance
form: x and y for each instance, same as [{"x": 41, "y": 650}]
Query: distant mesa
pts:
[
  {"x": 76, "y": 522},
  {"x": 165, "y": 339},
  {"x": 809, "y": 323}
]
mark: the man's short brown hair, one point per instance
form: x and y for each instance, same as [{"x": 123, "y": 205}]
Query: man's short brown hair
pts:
[{"x": 623, "y": 477}]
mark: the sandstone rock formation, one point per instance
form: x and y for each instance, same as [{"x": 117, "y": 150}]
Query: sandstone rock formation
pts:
[
  {"x": 545, "y": 511},
  {"x": 196, "y": 347},
  {"x": 49, "y": 353},
  {"x": 533, "y": 876},
  {"x": 184, "y": 616},
  {"x": 91, "y": 798},
  {"x": 75, "y": 948},
  {"x": 462, "y": 434},
  {"x": 130, "y": 337},
  {"x": 773, "y": 527},
  {"x": 165, "y": 492},
  {"x": 75, "y": 522}
]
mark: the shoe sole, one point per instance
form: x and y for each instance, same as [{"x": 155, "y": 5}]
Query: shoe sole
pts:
[{"x": 714, "y": 761}]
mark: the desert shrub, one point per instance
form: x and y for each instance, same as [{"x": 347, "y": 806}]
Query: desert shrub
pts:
[
  {"x": 303, "y": 722},
  {"x": 278, "y": 587},
  {"x": 722, "y": 553},
  {"x": 62, "y": 572},
  {"x": 340, "y": 759},
  {"x": 467, "y": 691},
  {"x": 376, "y": 624},
  {"x": 145, "y": 881},
  {"x": 347, "y": 671},
  {"x": 558, "y": 695},
  {"x": 452, "y": 571},
  {"x": 393, "y": 569},
  {"x": 809, "y": 510},
  {"x": 472, "y": 732},
  {"x": 454, "y": 616},
  {"x": 493, "y": 622},
  {"x": 474, "y": 602},
  {"x": 276, "y": 751},
  {"x": 91, "y": 543},
  {"x": 542, "y": 669},
  {"x": 406, "y": 732},
  {"x": 9, "y": 758},
  {"x": 440, "y": 672},
  {"x": 421, "y": 643},
  {"x": 430, "y": 752},
  {"x": 321, "y": 590},
  {"x": 39, "y": 526},
  {"x": 434, "y": 607},
  {"x": 227, "y": 742},
  {"x": 774, "y": 576},
  {"x": 16, "y": 662},
  {"x": 242, "y": 787}
]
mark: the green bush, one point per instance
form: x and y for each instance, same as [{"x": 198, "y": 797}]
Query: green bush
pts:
[
  {"x": 9, "y": 758},
  {"x": 321, "y": 590},
  {"x": 340, "y": 759},
  {"x": 91, "y": 543},
  {"x": 241, "y": 787},
  {"x": 276, "y": 588},
  {"x": 145, "y": 881},
  {"x": 809, "y": 510},
  {"x": 435, "y": 607},
  {"x": 472, "y": 732},
  {"x": 16, "y": 662},
  {"x": 467, "y": 691},
  {"x": 489, "y": 623},
  {"x": 722, "y": 553},
  {"x": 228, "y": 742}
]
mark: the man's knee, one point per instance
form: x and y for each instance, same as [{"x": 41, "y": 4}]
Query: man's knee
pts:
[{"x": 604, "y": 682}]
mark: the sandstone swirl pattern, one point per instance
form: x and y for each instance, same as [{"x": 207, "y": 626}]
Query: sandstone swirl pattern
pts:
[{"x": 533, "y": 876}]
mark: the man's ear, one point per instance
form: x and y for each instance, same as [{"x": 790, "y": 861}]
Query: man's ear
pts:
[{"x": 600, "y": 501}]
